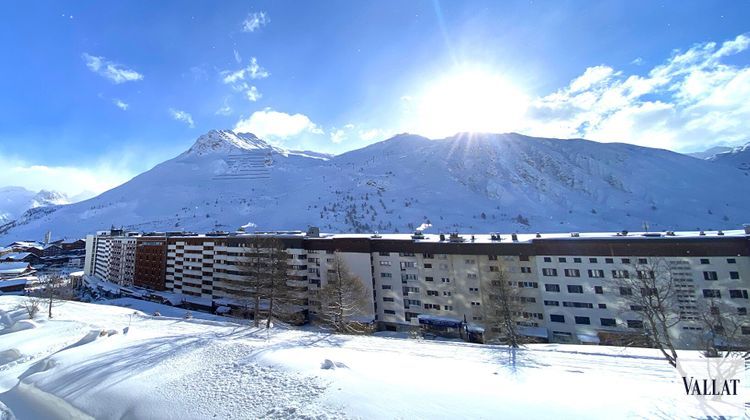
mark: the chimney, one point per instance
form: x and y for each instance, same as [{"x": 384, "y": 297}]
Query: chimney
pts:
[
  {"x": 313, "y": 232},
  {"x": 514, "y": 237},
  {"x": 747, "y": 229}
]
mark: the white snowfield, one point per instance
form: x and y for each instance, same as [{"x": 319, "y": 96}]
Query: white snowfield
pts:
[{"x": 175, "y": 368}]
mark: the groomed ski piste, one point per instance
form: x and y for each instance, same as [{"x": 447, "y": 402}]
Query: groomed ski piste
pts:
[{"x": 119, "y": 361}]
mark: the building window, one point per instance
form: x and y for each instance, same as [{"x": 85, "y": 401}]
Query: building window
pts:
[
  {"x": 476, "y": 304},
  {"x": 551, "y": 303},
  {"x": 526, "y": 270},
  {"x": 562, "y": 259},
  {"x": 602, "y": 306},
  {"x": 710, "y": 275},
  {"x": 609, "y": 260},
  {"x": 596, "y": 274},
  {"x": 576, "y": 260},
  {"x": 470, "y": 261},
  {"x": 547, "y": 259},
  {"x": 574, "y": 288},
  {"x": 635, "y": 323},
  {"x": 474, "y": 289},
  {"x": 644, "y": 274},
  {"x": 705, "y": 261},
  {"x": 583, "y": 320},
  {"x": 731, "y": 261},
  {"x": 431, "y": 306},
  {"x": 626, "y": 291},
  {"x": 734, "y": 275},
  {"x": 492, "y": 257},
  {"x": 552, "y": 287},
  {"x": 738, "y": 294},
  {"x": 711, "y": 293},
  {"x": 427, "y": 256},
  {"x": 607, "y": 322},
  {"x": 448, "y": 307},
  {"x": 593, "y": 260},
  {"x": 626, "y": 260},
  {"x": 549, "y": 272},
  {"x": 572, "y": 272},
  {"x": 386, "y": 275},
  {"x": 386, "y": 287},
  {"x": 745, "y": 330},
  {"x": 432, "y": 293},
  {"x": 427, "y": 265},
  {"x": 446, "y": 293},
  {"x": 620, "y": 274},
  {"x": 389, "y": 312},
  {"x": 385, "y": 263},
  {"x": 445, "y": 280},
  {"x": 385, "y": 254},
  {"x": 523, "y": 258},
  {"x": 428, "y": 279},
  {"x": 557, "y": 318},
  {"x": 598, "y": 290},
  {"x": 471, "y": 276},
  {"x": 388, "y": 299},
  {"x": 741, "y": 311}
]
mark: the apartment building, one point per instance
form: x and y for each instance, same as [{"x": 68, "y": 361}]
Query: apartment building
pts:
[
  {"x": 567, "y": 283},
  {"x": 110, "y": 255}
]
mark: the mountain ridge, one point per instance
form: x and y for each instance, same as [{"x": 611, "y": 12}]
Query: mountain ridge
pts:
[{"x": 476, "y": 182}]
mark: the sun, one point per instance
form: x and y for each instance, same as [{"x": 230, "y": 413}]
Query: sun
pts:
[{"x": 469, "y": 101}]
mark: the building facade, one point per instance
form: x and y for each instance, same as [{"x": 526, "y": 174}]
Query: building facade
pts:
[{"x": 567, "y": 284}]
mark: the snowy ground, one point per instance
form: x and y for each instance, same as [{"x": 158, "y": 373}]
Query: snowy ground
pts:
[{"x": 170, "y": 367}]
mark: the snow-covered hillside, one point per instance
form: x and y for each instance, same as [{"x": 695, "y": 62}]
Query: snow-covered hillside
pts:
[
  {"x": 14, "y": 201},
  {"x": 480, "y": 182},
  {"x": 174, "y": 368}
]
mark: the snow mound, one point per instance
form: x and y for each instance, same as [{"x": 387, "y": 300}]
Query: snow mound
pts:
[
  {"x": 330, "y": 364},
  {"x": 24, "y": 324},
  {"x": 8, "y": 356},
  {"x": 5, "y": 413}
]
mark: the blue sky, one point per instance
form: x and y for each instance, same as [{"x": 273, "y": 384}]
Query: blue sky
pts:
[{"x": 94, "y": 93}]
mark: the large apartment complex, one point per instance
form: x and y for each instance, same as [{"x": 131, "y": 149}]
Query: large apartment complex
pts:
[{"x": 567, "y": 283}]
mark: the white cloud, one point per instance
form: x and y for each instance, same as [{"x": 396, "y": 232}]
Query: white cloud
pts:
[
  {"x": 72, "y": 180},
  {"x": 252, "y": 71},
  {"x": 120, "y": 104},
  {"x": 225, "y": 109},
  {"x": 110, "y": 70},
  {"x": 337, "y": 136},
  {"x": 255, "y": 21},
  {"x": 237, "y": 57},
  {"x": 237, "y": 79},
  {"x": 277, "y": 125},
  {"x": 251, "y": 92},
  {"x": 693, "y": 100},
  {"x": 372, "y": 134},
  {"x": 182, "y": 116}
]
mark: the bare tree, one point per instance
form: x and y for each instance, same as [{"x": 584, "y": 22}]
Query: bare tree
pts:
[
  {"x": 283, "y": 298},
  {"x": 647, "y": 288},
  {"x": 501, "y": 309},
  {"x": 32, "y": 304},
  {"x": 723, "y": 324},
  {"x": 52, "y": 289},
  {"x": 342, "y": 299},
  {"x": 251, "y": 266}
]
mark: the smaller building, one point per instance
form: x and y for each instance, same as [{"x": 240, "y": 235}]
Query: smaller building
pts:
[{"x": 9, "y": 270}]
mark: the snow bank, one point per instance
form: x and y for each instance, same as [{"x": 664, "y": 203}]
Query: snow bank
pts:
[{"x": 173, "y": 368}]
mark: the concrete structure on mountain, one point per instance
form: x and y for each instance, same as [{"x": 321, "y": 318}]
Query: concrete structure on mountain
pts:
[{"x": 566, "y": 282}]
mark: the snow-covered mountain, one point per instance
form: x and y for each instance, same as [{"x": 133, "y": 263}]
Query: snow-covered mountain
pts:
[
  {"x": 738, "y": 157},
  {"x": 14, "y": 201},
  {"x": 708, "y": 153},
  {"x": 469, "y": 182}
]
